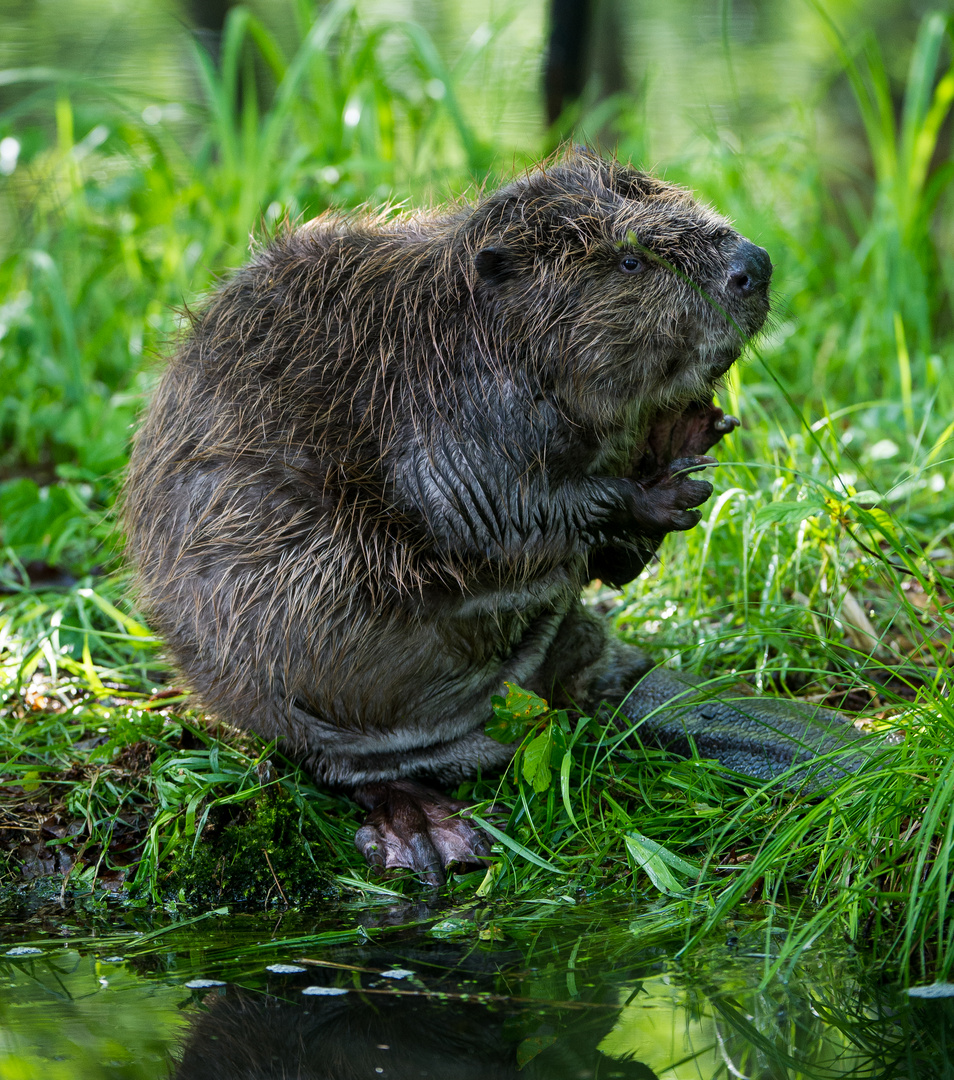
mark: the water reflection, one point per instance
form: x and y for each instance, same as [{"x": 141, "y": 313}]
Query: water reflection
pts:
[
  {"x": 356, "y": 1035},
  {"x": 238, "y": 998}
]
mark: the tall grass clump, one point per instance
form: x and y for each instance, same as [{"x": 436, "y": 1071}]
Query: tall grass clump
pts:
[{"x": 823, "y": 566}]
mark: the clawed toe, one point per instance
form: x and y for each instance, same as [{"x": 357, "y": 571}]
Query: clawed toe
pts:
[
  {"x": 410, "y": 826},
  {"x": 724, "y": 424},
  {"x": 682, "y": 520},
  {"x": 684, "y": 466}
]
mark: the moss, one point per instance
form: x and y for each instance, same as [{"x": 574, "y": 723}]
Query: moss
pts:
[{"x": 261, "y": 853}]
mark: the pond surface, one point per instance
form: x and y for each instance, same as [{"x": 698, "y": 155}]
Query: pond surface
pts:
[{"x": 415, "y": 990}]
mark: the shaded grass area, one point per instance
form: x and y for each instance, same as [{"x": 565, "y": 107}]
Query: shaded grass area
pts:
[
  {"x": 109, "y": 783},
  {"x": 822, "y": 568}
]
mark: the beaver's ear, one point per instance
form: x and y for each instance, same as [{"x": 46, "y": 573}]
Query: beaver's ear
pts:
[{"x": 493, "y": 264}]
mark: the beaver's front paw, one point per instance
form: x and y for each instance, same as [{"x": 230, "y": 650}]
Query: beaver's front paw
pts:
[
  {"x": 665, "y": 503},
  {"x": 688, "y": 433},
  {"x": 699, "y": 428}
]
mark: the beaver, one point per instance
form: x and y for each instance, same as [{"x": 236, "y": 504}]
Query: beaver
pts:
[{"x": 391, "y": 452}]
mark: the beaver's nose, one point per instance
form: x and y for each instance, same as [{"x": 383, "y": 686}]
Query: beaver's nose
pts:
[{"x": 750, "y": 270}]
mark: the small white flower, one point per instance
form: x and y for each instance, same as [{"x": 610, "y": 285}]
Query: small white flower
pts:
[
  {"x": 325, "y": 991},
  {"x": 882, "y": 450},
  {"x": 9, "y": 152},
  {"x": 201, "y": 984}
]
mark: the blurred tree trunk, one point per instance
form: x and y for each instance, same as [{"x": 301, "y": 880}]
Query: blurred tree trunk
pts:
[
  {"x": 208, "y": 18},
  {"x": 585, "y": 60}
]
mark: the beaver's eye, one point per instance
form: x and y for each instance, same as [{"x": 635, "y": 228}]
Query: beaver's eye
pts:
[{"x": 629, "y": 264}]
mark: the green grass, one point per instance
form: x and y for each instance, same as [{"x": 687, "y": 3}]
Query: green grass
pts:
[{"x": 822, "y": 568}]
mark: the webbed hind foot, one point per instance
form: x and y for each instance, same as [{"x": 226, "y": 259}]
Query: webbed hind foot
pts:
[{"x": 414, "y": 827}]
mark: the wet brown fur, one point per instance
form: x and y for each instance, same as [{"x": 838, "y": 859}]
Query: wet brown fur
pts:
[{"x": 376, "y": 476}]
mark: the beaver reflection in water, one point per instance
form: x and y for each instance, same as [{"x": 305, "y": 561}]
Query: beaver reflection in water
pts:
[
  {"x": 246, "y": 1036},
  {"x": 375, "y": 478}
]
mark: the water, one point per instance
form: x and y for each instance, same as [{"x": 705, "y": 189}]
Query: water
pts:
[{"x": 554, "y": 990}]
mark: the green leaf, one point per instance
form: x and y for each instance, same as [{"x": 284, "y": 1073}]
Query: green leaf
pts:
[
  {"x": 504, "y": 728},
  {"x": 657, "y": 861},
  {"x": 513, "y": 714},
  {"x": 486, "y": 887},
  {"x": 524, "y": 703},
  {"x": 565, "y": 766},
  {"x": 789, "y": 513},
  {"x": 536, "y": 761},
  {"x": 517, "y": 848},
  {"x": 531, "y": 1046},
  {"x": 129, "y": 624}
]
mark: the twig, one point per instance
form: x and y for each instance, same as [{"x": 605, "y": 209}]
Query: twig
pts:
[{"x": 278, "y": 884}]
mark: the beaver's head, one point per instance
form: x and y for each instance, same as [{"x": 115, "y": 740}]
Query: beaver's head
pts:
[{"x": 613, "y": 284}]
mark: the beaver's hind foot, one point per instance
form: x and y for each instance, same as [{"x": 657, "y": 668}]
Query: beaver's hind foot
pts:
[{"x": 413, "y": 827}]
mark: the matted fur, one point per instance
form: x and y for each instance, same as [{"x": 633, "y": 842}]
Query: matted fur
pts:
[{"x": 374, "y": 479}]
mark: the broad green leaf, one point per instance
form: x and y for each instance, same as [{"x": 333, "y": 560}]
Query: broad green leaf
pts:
[
  {"x": 536, "y": 761},
  {"x": 524, "y": 703},
  {"x": 531, "y": 1046},
  {"x": 505, "y": 728},
  {"x": 789, "y": 513},
  {"x": 514, "y": 713},
  {"x": 657, "y": 861}
]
